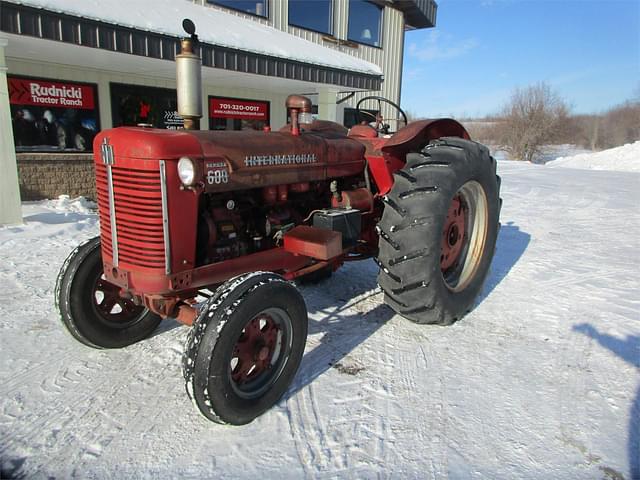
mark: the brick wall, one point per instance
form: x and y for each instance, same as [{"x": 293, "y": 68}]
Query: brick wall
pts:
[{"x": 48, "y": 175}]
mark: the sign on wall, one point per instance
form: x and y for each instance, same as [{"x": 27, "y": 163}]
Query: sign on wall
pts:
[
  {"x": 45, "y": 93},
  {"x": 53, "y": 115},
  {"x": 238, "y": 113}
]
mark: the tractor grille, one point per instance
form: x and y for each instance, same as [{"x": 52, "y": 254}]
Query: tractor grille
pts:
[{"x": 138, "y": 212}]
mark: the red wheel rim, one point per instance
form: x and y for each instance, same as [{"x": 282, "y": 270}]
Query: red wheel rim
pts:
[
  {"x": 453, "y": 233},
  {"x": 253, "y": 353},
  {"x": 113, "y": 309}
]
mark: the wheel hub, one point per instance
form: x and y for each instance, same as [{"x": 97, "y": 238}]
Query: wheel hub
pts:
[
  {"x": 254, "y": 349},
  {"x": 112, "y": 308},
  {"x": 453, "y": 234}
]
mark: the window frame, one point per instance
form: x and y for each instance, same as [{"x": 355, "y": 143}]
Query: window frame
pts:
[
  {"x": 332, "y": 29},
  {"x": 381, "y": 26},
  {"x": 263, "y": 17}
]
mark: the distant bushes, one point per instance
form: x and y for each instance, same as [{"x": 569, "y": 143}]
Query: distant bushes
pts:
[{"x": 537, "y": 116}]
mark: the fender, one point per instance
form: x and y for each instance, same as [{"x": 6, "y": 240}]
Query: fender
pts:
[
  {"x": 411, "y": 138},
  {"x": 416, "y": 135}
]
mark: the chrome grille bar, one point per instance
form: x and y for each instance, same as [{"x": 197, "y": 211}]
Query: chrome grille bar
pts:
[
  {"x": 112, "y": 216},
  {"x": 165, "y": 218}
]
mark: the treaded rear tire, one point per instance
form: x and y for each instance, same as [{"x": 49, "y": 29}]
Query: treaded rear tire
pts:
[{"x": 412, "y": 225}]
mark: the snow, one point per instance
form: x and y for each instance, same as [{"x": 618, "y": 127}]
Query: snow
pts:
[
  {"x": 540, "y": 380},
  {"x": 622, "y": 159},
  {"x": 212, "y": 26}
]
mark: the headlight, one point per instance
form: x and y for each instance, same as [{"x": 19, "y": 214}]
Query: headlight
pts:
[{"x": 186, "y": 171}]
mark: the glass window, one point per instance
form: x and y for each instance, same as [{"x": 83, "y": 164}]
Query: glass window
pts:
[
  {"x": 351, "y": 118},
  {"x": 365, "y": 23},
  {"x": 137, "y": 104},
  {"x": 312, "y": 14},
  {"x": 254, "y": 7},
  {"x": 53, "y": 115}
]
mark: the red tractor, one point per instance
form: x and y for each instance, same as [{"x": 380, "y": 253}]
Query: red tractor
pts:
[{"x": 235, "y": 216}]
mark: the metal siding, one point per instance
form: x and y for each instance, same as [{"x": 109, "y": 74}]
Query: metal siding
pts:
[{"x": 389, "y": 57}]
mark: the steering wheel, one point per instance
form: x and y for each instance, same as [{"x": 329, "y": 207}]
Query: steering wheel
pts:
[{"x": 381, "y": 126}]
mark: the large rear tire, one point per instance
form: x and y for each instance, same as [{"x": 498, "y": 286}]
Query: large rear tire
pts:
[
  {"x": 91, "y": 308},
  {"x": 245, "y": 347},
  {"x": 438, "y": 231}
]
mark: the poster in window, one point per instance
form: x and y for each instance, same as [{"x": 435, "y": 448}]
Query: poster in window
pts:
[
  {"x": 53, "y": 115},
  {"x": 238, "y": 113},
  {"x": 133, "y": 105}
]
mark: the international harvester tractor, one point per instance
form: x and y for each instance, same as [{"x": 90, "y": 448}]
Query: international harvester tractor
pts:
[{"x": 235, "y": 216}]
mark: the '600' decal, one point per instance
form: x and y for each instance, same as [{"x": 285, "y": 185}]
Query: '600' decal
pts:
[
  {"x": 217, "y": 177},
  {"x": 217, "y": 173}
]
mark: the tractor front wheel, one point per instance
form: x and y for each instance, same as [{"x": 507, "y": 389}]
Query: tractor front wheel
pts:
[
  {"x": 92, "y": 309},
  {"x": 245, "y": 347},
  {"x": 438, "y": 231}
]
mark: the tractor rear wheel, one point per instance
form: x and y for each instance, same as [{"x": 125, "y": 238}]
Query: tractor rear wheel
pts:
[
  {"x": 245, "y": 347},
  {"x": 438, "y": 231},
  {"x": 91, "y": 308}
]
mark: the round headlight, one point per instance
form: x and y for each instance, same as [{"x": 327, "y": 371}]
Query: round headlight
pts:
[{"x": 186, "y": 171}]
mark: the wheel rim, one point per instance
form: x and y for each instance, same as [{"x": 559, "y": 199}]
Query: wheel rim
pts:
[
  {"x": 260, "y": 353},
  {"x": 111, "y": 309},
  {"x": 464, "y": 236}
]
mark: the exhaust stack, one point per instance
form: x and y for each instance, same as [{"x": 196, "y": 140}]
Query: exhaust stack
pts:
[{"x": 189, "y": 78}]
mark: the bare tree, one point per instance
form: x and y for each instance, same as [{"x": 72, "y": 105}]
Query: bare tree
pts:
[{"x": 533, "y": 117}]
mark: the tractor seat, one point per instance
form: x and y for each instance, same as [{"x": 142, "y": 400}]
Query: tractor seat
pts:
[{"x": 363, "y": 131}]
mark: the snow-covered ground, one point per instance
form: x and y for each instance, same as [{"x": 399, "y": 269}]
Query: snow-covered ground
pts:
[
  {"x": 541, "y": 380},
  {"x": 624, "y": 159}
]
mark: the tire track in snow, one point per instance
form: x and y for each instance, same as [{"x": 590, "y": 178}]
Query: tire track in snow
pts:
[{"x": 89, "y": 406}]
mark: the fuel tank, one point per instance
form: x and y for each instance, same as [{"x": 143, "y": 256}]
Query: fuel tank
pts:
[{"x": 238, "y": 160}]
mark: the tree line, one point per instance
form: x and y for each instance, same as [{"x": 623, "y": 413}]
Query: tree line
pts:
[{"x": 536, "y": 116}]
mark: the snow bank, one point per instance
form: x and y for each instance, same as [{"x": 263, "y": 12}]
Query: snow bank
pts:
[
  {"x": 75, "y": 205},
  {"x": 621, "y": 159},
  {"x": 213, "y": 26}
]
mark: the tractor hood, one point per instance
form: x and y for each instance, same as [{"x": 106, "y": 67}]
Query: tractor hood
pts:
[{"x": 236, "y": 160}]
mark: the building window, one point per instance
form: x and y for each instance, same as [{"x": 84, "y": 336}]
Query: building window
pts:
[
  {"x": 351, "y": 117},
  {"x": 238, "y": 114},
  {"x": 313, "y": 15},
  {"x": 254, "y": 7},
  {"x": 365, "y": 23},
  {"x": 133, "y": 105},
  {"x": 53, "y": 115}
]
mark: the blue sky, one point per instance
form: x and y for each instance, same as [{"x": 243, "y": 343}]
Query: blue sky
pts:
[{"x": 588, "y": 51}]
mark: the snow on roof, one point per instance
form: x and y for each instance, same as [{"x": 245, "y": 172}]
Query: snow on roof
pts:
[
  {"x": 623, "y": 159},
  {"x": 212, "y": 26}
]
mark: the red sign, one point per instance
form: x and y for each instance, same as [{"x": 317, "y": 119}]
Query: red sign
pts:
[
  {"x": 45, "y": 93},
  {"x": 240, "y": 109}
]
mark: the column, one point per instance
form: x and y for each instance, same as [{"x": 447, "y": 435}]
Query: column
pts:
[
  {"x": 10, "y": 208},
  {"x": 327, "y": 108}
]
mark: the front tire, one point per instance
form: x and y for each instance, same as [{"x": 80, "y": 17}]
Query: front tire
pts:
[
  {"x": 245, "y": 347},
  {"x": 91, "y": 308},
  {"x": 438, "y": 231}
]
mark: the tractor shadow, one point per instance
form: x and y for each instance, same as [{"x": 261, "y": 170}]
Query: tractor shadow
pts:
[
  {"x": 343, "y": 322},
  {"x": 329, "y": 301},
  {"x": 58, "y": 218},
  {"x": 629, "y": 351},
  {"x": 510, "y": 246}
]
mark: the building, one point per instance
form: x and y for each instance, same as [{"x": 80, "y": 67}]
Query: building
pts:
[{"x": 73, "y": 70}]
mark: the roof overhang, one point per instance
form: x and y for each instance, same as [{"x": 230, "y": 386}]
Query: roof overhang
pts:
[
  {"x": 418, "y": 13},
  {"x": 45, "y": 24}
]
